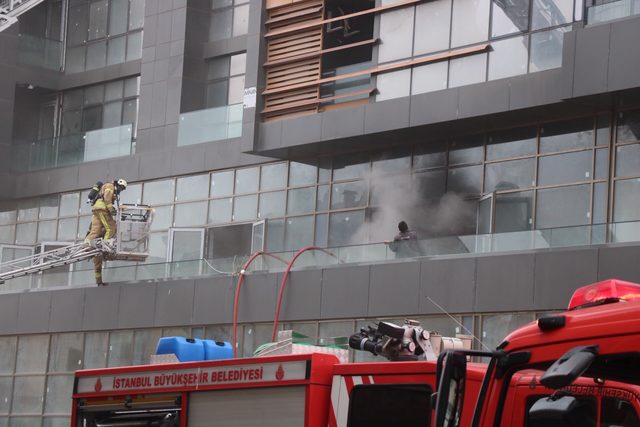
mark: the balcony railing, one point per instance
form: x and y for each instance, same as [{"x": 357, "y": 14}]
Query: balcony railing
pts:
[
  {"x": 613, "y": 10},
  {"x": 212, "y": 124},
  {"x": 617, "y": 233},
  {"x": 40, "y": 52},
  {"x": 73, "y": 149}
]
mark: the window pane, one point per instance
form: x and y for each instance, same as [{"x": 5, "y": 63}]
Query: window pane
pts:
[
  {"x": 116, "y": 50},
  {"x": 272, "y": 204},
  {"x": 550, "y": 13},
  {"x": 8, "y": 346},
  {"x": 7, "y": 234},
  {"x": 220, "y": 211},
  {"x": 26, "y": 233},
  {"x": 218, "y": 68},
  {"x": 49, "y": 207},
  {"x": 32, "y": 353},
  {"x": 120, "y": 348},
  {"x": 67, "y": 229},
  {"x": 275, "y": 235},
  {"x": 71, "y": 122},
  {"x": 118, "y": 10},
  {"x": 136, "y": 14},
  {"x": 273, "y": 176},
  {"x": 245, "y": 208},
  {"x": 66, "y": 352},
  {"x": 55, "y": 422},
  {"x": 240, "y": 20},
  {"x": 220, "y": 25},
  {"x": 94, "y": 95},
  {"x": 47, "y": 231},
  {"x": 322, "y": 201},
  {"x": 112, "y": 114},
  {"x": 133, "y": 195},
  {"x": 7, "y": 213},
  {"x": 467, "y": 70},
  {"x": 58, "y": 397},
  {"x": 509, "y": 175},
  {"x": 346, "y": 228},
  {"x": 566, "y": 135},
  {"x": 97, "y": 19},
  {"x": 222, "y": 183},
  {"x": 163, "y": 218},
  {"x": 301, "y": 200},
  {"x": 217, "y": 4},
  {"x": 603, "y": 127},
  {"x": 430, "y": 184},
  {"x": 546, "y": 49},
  {"x": 145, "y": 342},
  {"x": 349, "y": 195},
  {"x": 217, "y": 94},
  {"x": 466, "y": 150},
  {"x": 28, "y": 210},
  {"x": 190, "y": 214},
  {"x": 384, "y": 190},
  {"x": 392, "y": 85},
  {"x": 627, "y": 160},
  {"x": 78, "y": 24},
  {"x": 466, "y": 180},
  {"x": 511, "y": 143},
  {"x": 6, "y": 393},
  {"x": 563, "y": 207},
  {"x": 69, "y": 204},
  {"x": 158, "y": 192},
  {"x": 514, "y": 212},
  {"x": 192, "y": 188},
  {"x": 432, "y": 32},
  {"x": 238, "y": 64},
  {"x": 95, "y": 350},
  {"x": 302, "y": 174},
  {"x": 299, "y": 232},
  {"x": 236, "y": 90},
  {"x": 130, "y": 112},
  {"x": 28, "y": 394},
  {"x": 509, "y": 17},
  {"x": 602, "y": 164},
  {"x": 113, "y": 90},
  {"x": 470, "y": 22},
  {"x": 134, "y": 46},
  {"x": 600, "y": 191},
  {"x": 321, "y": 230},
  {"x": 565, "y": 168},
  {"x": 430, "y": 77},
  {"x": 74, "y": 60},
  {"x": 396, "y": 34},
  {"x": 132, "y": 87},
  {"x": 627, "y": 200},
  {"x": 508, "y": 57},
  {"x": 628, "y": 127},
  {"x": 92, "y": 118},
  {"x": 247, "y": 180},
  {"x": 96, "y": 55},
  {"x": 495, "y": 328}
]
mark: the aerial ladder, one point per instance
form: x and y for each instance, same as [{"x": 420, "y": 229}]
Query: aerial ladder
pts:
[
  {"x": 11, "y": 9},
  {"x": 130, "y": 244}
]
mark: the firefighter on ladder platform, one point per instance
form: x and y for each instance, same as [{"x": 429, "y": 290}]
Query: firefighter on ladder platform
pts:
[{"x": 103, "y": 223}]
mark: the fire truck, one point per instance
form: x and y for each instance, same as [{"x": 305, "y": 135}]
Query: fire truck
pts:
[{"x": 576, "y": 368}]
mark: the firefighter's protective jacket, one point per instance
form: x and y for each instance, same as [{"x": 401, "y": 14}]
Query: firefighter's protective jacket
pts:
[{"x": 107, "y": 196}]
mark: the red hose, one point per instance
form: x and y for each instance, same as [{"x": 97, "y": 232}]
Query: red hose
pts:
[
  {"x": 284, "y": 281},
  {"x": 237, "y": 297}
]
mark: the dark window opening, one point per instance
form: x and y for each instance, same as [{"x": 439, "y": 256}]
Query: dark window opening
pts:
[{"x": 405, "y": 405}]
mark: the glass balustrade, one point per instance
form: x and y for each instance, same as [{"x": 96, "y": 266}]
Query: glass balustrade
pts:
[
  {"x": 73, "y": 149},
  {"x": 212, "y": 124},
  {"x": 82, "y": 274},
  {"x": 39, "y": 52},
  {"x": 612, "y": 10}
]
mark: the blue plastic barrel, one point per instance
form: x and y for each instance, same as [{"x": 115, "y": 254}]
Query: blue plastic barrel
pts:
[
  {"x": 185, "y": 349},
  {"x": 216, "y": 350}
]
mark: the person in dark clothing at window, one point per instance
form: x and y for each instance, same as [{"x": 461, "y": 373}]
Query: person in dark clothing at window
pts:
[{"x": 405, "y": 243}]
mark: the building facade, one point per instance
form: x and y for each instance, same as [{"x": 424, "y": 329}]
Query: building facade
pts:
[{"x": 506, "y": 134}]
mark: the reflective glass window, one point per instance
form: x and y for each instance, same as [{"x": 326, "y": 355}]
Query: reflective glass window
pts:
[
  {"x": 302, "y": 174},
  {"x": 238, "y": 64},
  {"x": 145, "y": 342},
  {"x": 322, "y": 200},
  {"x": 49, "y": 207},
  {"x": 273, "y": 177},
  {"x": 509, "y": 175},
  {"x": 28, "y": 394},
  {"x": 566, "y": 135},
  {"x": 116, "y": 50},
  {"x": 95, "y": 350},
  {"x": 69, "y": 204},
  {"x": 134, "y": 46},
  {"x": 92, "y": 118},
  {"x": 112, "y": 114},
  {"x": 136, "y": 14},
  {"x": 222, "y": 183},
  {"x": 272, "y": 204},
  {"x": 28, "y": 210},
  {"x": 430, "y": 184},
  {"x": 55, "y": 421},
  {"x": 245, "y": 208},
  {"x": 628, "y": 160},
  {"x": 158, "y": 192},
  {"x": 322, "y": 222},
  {"x": 132, "y": 86},
  {"x": 433, "y": 21},
  {"x": 8, "y": 213},
  {"x": 349, "y": 195},
  {"x": 511, "y": 143},
  {"x": 546, "y": 49},
  {"x": 220, "y": 25},
  {"x": 395, "y": 84},
  {"x": 57, "y": 398},
  {"x": 120, "y": 348},
  {"x": 118, "y": 11},
  {"x": 430, "y": 77},
  {"x": 96, "y": 55},
  {"x": 514, "y": 212},
  {"x": 217, "y": 93},
  {"x": 7, "y": 234},
  {"x": 157, "y": 247},
  {"x": 217, "y": 4},
  {"x": 67, "y": 229},
  {"x": 163, "y": 218},
  {"x": 508, "y": 57},
  {"x": 626, "y": 205},
  {"x": 466, "y": 180},
  {"x": 65, "y": 354},
  {"x": 550, "y": 13},
  {"x": 628, "y": 126},
  {"x": 565, "y": 168},
  {"x": 47, "y": 231},
  {"x": 470, "y": 22},
  {"x": 240, "y": 20},
  {"x": 509, "y": 17},
  {"x": 602, "y": 164},
  {"x": 301, "y": 200},
  {"x": 563, "y": 207},
  {"x": 113, "y": 90},
  {"x": 467, "y": 70},
  {"x": 396, "y": 34},
  {"x": 32, "y": 353},
  {"x": 433, "y": 154},
  {"x": 220, "y": 211},
  {"x": 466, "y": 150},
  {"x": 496, "y": 327},
  {"x": 391, "y": 163},
  {"x": 97, "y": 19},
  {"x": 603, "y": 130},
  {"x": 190, "y": 214},
  {"x": 78, "y": 25},
  {"x": 6, "y": 393},
  {"x": 8, "y": 347},
  {"x": 346, "y": 228},
  {"x": 350, "y": 167},
  {"x": 299, "y": 232},
  {"x": 247, "y": 180},
  {"x": 600, "y": 191},
  {"x": 236, "y": 90},
  {"x": 192, "y": 188},
  {"x": 275, "y": 235},
  {"x": 74, "y": 59},
  {"x": 133, "y": 195},
  {"x": 26, "y": 233}
]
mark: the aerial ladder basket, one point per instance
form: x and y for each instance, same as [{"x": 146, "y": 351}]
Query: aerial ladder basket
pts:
[{"x": 130, "y": 244}]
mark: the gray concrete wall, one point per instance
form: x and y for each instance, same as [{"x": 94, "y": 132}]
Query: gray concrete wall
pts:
[{"x": 537, "y": 281}]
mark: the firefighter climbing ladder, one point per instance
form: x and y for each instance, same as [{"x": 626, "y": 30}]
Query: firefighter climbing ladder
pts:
[{"x": 131, "y": 244}]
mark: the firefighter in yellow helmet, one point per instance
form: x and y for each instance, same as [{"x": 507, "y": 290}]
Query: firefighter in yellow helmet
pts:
[{"x": 103, "y": 223}]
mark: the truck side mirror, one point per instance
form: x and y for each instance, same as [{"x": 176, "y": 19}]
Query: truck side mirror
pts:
[
  {"x": 452, "y": 370},
  {"x": 569, "y": 367},
  {"x": 566, "y": 411}
]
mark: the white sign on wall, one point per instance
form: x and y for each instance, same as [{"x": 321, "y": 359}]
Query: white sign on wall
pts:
[{"x": 249, "y": 99}]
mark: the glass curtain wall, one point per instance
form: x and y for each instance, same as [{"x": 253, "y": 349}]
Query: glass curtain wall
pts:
[
  {"x": 102, "y": 33},
  {"x": 229, "y": 18},
  {"x": 525, "y": 36}
]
